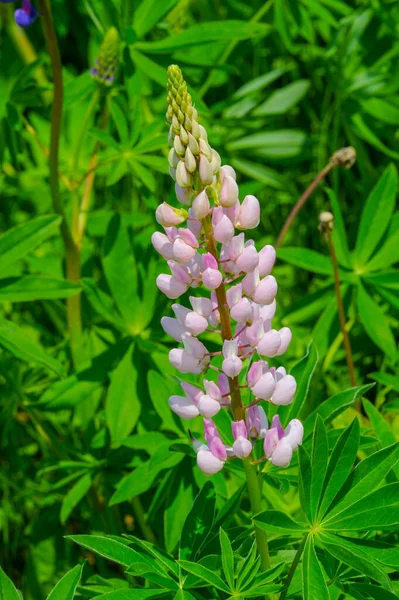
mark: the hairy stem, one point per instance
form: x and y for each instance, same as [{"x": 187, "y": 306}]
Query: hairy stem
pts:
[
  {"x": 293, "y": 567},
  {"x": 251, "y": 470},
  {"x": 71, "y": 250},
  {"x": 341, "y": 311}
]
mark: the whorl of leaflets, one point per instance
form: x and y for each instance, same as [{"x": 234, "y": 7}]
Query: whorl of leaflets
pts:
[{"x": 229, "y": 276}]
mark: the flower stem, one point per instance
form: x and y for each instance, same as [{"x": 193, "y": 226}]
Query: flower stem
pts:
[
  {"x": 71, "y": 250},
  {"x": 251, "y": 471},
  {"x": 341, "y": 311},
  {"x": 293, "y": 567}
]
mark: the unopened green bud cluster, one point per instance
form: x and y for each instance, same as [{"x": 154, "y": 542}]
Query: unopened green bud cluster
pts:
[
  {"x": 106, "y": 65},
  {"x": 190, "y": 156}
]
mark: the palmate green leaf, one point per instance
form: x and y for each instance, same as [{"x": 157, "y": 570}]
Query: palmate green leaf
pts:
[
  {"x": 274, "y": 520},
  {"x": 116, "y": 550},
  {"x": 282, "y": 100},
  {"x": 74, "y": 496},
  {"x": 261, "y": 591},
  {"x": 227, "y": 558},
  {"x": 229, "y": 508},
  {"x": 304, "y": 479},
  {"x": 120, "y": 268},
  {"x": 148, "y": 13},
  {"x": 122, "y": 406},
  {"x": 248, "y": 569},
  {"x": 377, "y": 551},
  {"x": 259, "y": 172},
  {"x": 354, "y": 558},
  {"x": 367, "y": 475},
  {"x": 179, "y": 500},
  {"x": 339, "y": 234},
  {"x": 389, "y": 253},
  {"x": 66, "y": 587},
  {"x": 314, "y": 584},
  {"x": 387, "y": 279},
  {"x": 102, "y": 303},
  {"x": 365, "y": 133},
  {"x": 376, "y": 215},
  {"x": 162, "y": 559},
  {"x": 382, "y": 429},
  {"x": 203, "y": 33},
  {"x": 13, "y": 339},
  {"x": 161, "y": 387},
  {"x": 303, "y": 373},
  {"x": 331, "y": 408},
  {"x": 257, "y": 84},
  {"x": 32, "y": 287},
  {"x": 309, "y": 306},
  {"x": 198, "y": 522},
  {"x": 367, "y": 591},
  {"x": 7, "y": 588},
  {"x": 283, "y": 143},
  {"x": 149, "y": 67},
  {"x": 319, "y": 462},
  {"x": 18, "y": 241},
  {"x": 304, "y": 258},
  {"x": 135, "y": 594},
  {"x": 340, "y": 464},
  {"x": 386, "y": 379},
  {"x": 183, "y": 595},
  {"x": 205, "y": 574},
  {"x": 375, "y": 322}
]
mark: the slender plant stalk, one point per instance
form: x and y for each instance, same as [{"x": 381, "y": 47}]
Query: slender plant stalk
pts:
[
  {"x": 341, "y": 311},
  {"x": 293, "y": 567},
  {"x": 230, "y": 48},
  {"x": 71, "y": 249},
  {"x": 251, "y": 470},
  {"x": 295, "y": 210},
  {"x": 141, "y": 520}
]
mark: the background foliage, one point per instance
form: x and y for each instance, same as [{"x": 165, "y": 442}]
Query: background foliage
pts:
[{"x": 94, "y": 449}]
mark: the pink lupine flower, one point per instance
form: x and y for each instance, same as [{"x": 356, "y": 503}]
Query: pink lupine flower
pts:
[
  {"x": 242, "y": 447},
  {"x": 257, "y": 422},
  {"x": 200, "y": 207},
  {"x": 228, "y": 192},
  {"x": 185, "y": 246},
  {"x": 211, "y": 276},
  {"x": 279, "y": 445},
  {"x": 191, "y": 321},
  {"x": 249, "y": 214},
  {"x": 223, "y": 229},
  {"x": 209, "y": 403},
  {"x": 285, "y": 388},
  {"x": 167, "y": 216},
  {"x": 162, "y": 244},
  {"x": 173, "y": 328},
  {"x": 267, "y": 258},
  {"x": 171, "y": 286},
  {"x": 231, "y": 365},
  {"x": 202, "y": 306}
]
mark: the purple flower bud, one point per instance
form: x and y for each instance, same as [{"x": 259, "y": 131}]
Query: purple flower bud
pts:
[
  {"x": 212, "y": 390},
  {"x": 194, "y": 225},
  {"x": 210, "y": 430},
  {"x": 282, "y": 454},
  {"x": 257, "y": 423},
  {"x": 212, "y": 278},
  {"x": 226, "y": 170},
  {"x": 239, "y": 429},
  {"x": 162, "y": 244},
  {"x": 236, "y": 246},
  {"x": 183, "y": 253},
  {"x": 201, "y": 206},
  {"x": 224, "y": 387},
  {"x": 255, "y": 332},
  {"x": 183, "y": 407},
  {"x": 242, "y": 447},
  {"x": 195, "y": 323},
  {"x": 171, "y": 286},
  {"x": 208, "y": 463},
  {"x": 193, "y": 346},
  {"x": 205, "y": 170},
  {"x": 217, "y": 448},
  {"x": 234, "y": 295},
  {"x": 185, "y": 362},
  {"x": 268, "y": 311},
  {"x": 180, "y": 272},
  {"x": 257, "y": 369},
  {"x": 191, "y": 391},
  {"x": 250, "y": 282},
  {"x": 26, "y": 15},
  {"x": 228, "y": 192},
  {"x": 267, "y": 258},
  {"x": 264, "y": 387}
]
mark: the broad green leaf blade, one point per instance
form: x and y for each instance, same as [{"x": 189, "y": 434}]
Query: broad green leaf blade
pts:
[
  {"x": 376, "y": 215},
  {"x": 148, "y": 13},
  {"x": 205, "y": 574},
  {"x": 375, "y": 323},
  {"x": 339, "y": 233},
  {"x": 303, "y": 373},
  {"x": 304, "y": 258},
  {"x": 319, "y": 465},
  {"x": 381, "y": 427},
  {"x": 198, "y": 523},
  {"x": 340, "y": 464},
  {"x": 106, "y": 546},
  {"x": 314, "y": 584},
  {"x": 369, "y": 591},
  {"x": 305, "y": 475},
  {"x": 386, "y": 279},
  {"x": 257, "y": 84},
  {"x": 332, "y": 407},
  {"x": 274, "y": 520},
  {"x": 7, "y": 588},
  {"x": 32, "y": 287},
  {"x": 18, "y": 241},
  {"x": 122, "y": 405},
  {"x": 367, "y": 475},
  {"x": 229, "y": 508},
  {"x": 102, "y": 303},
  {"x": 134, "y": 594},
  {"x": 13, "y": 339},
  {"x": 120, "y": 269},
  {"x": 227, "y": 558},
  {"x": 282, "y": 143},
  {"x": 386, "y": 379},
  {"x": 183, "y": 595},
  {"x": 389, "y": 253},
  {"x": 249, "y": 569},
  {"x": 66, "y": 587},
  {"x": 283, "y": 99},
  {"x": 203, "y": 33},
  {"x": 74, "y": 496},
  {"x": 179, "y": 500},
  {"x": 149, "y": 67},
  {"x": 357, "y": 560}
]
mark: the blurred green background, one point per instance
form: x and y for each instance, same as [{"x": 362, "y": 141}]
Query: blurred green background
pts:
[{"x": 280, "y": 86}]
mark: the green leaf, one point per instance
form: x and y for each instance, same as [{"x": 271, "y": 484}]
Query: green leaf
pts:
[
  {"x": 257, "y": 84},
  {"x": 74, "y": 496},
  {"x": 13, "y": 339},
  {"x": 179, "y": 501},
  {"x": 135, "y": 594},
  {"x": 274, "y": 520},
  {"x": 204, "y": 574},
  {"x": 183, "y": 595},
  {"x": 102, "y": 303},
  {"x": 305, "y": 476},
  {"x": 230, "y": 507},
  {"x": 388, "y": 279},
  {"x": 161, "y": 387},
  {"x": 367, "y": 591},
  {"x": 382, "y": 429},
  {"x": 314, "y": 584},
  {"x": 149, "y": 67},
  {"x": 32, "y": 287},
  {"x": 276, "y": 144},
  {"x": 149, "y": 13},
  {"x": 375, "y": 323},
  {"x": 120, "y": 268},
  {"x": 66, "y": 587},
  {"x": 18, "y": 241},
  {"x": 386, "y": 379},
  {"x": 340, "y": 464},
  {"x": 203, "y": 33},
  {"x": 389, "y": 253},
  {"x": 259, "y": 172},
  {"x": 367, "y": 475},
  {"x": 360, "y": 563},
  {"x": 122, "y": 407},
  {"x": 227, "y": 558},
  {"x": 303, "y": 373},
  {"x": 7, "y": 588},
  {"x": 106, "y": 546},
  {"x": 364, "y": 132},
  {"x": 282, "y": 100},
  {"x": 331, "y": 408},
  {"x": 198, "y": 522},
  {"x": 376, "y": 215},
  {"x": 319, "y": 465},
  {"x": 382, "y": 110},
  {"x": 339, "y": 233},
  {"x": 310, "y": 260}
]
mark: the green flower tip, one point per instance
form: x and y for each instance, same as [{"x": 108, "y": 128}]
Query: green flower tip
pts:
[
  {"x": 106, "y": 65},
  {"x": 190, "y": 157}
]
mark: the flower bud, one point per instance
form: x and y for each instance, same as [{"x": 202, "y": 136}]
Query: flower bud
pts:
[
  {"x": 231, "y": 365},
  {"x": 226, "y": 170},
  {"x": 228, "y": 192},
  {"x": 201, "y": 206},
  {"x": 223, "y": 229},
  {"x": 285, "y": 391},
  {"x": 269, "y": 344},
  {"x": 168, "y": 216},
  {"x": 205, "y": 170},
  {"x": 202, "y": 306},
  {"x": 264, "y": 387},
  {"x": 183, "y": 407},
  {"x": 257, "y": 423},
  {"x": 171, "y": 286},
  {"x": 184, "y": 195},
  {"x": 208, "y": 463},
  {"x": 162, "y": 245},
  {"x": 267, "y": 258},
  {"x": 285, "y": 336},
  {"x": 183, "y": 253},
  {"x": 183, "y": 177},
  {"x": 265, "y": 291},
  {"x": 208, "y": 407},
  {"x": 248, "y": 259},
  {"x": 173, "y": 328},
  {"x": 249, "y": 214},
  {"x": 106, "y": 65},
  {"x": 190, "y": 162}
]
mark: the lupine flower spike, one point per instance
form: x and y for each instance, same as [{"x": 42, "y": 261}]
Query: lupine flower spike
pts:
[
  {"x": 211, "y": 215},
  {"x": 105, "y": 66},
  {"x": 26, "y": 15}
]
